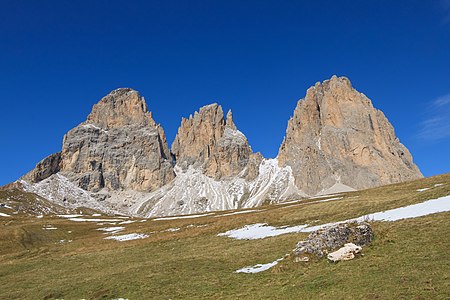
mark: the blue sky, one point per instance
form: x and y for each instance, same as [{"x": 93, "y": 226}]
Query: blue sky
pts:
[{"x": 58, "y": 58}]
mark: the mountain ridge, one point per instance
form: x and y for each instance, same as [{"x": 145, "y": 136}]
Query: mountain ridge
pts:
[{"x": 120, "y": 159}]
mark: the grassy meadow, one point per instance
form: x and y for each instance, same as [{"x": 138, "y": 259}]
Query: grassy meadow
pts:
[{"x": 408, "y": 259}]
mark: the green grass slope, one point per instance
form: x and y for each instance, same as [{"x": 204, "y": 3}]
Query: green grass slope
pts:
[{"x": 407, "y": 260}]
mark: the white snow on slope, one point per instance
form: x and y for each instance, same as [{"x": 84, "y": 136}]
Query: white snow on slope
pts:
[
  {"x": 429, "y": 188},
  {"x": 262, "y": 230},
  {"x": 127, "y": 237},
  {"x": 182, "y": 217},
  {"x": 60, "y": 190},
  {"x": 189, "y": 193},
  {"x": 94, "y": 220},
  {"x": 300, "y": 202},
  {"x": 127, "y": 222},
  {"x": 240, "y": 212},
  {"x": 172, "y": 229},
  {"x": 4, "y": 215},
  {"x": 195, "y": 192},
  {"x": 432, "y": 206},
  {"x": 273, "y": 183},
  {"x": 328, "y": 199},
  {"x": 49, "y": 228},
  {"x": 69, "y": 216},
  {"x": 324, "y": 196},
  {"x": 111, "y": 229},
  {"x": 259, "y": 267}
]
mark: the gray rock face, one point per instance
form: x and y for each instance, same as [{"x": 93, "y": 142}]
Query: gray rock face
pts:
[
  {"x": 336, "y": 137},
  {"x": 118, "y": 147},
  {"x": 119, "y": 160},
  {"x": 320, "y": 242},
  {"x": 45, "y": 168},
  {"x": 210, "y": 141}
]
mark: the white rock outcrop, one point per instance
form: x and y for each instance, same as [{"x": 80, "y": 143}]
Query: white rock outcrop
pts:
[{"x": 345, "y": 253}]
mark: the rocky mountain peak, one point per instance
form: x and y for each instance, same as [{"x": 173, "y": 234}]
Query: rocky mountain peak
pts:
[
  {"x": 119, "y": 159},
  {"x": 210, "y": 141},
  {"x": 118, "y": 147},
  {"x": 337, "y": 138},
  {"x": 121, "y": 107}
]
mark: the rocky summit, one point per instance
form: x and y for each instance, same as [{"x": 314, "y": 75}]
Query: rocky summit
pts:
[
  {"x": 119, "y": 147},
  {"x": 336, "y": 140},
  {"x": 210, "y": 141},
  {"x": 118, "y": 160}
]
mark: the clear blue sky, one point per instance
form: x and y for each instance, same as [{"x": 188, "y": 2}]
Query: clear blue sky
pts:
[{"x": 58, "y": 58}]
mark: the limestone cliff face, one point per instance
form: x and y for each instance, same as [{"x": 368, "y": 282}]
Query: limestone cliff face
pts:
[
  {"x": 210, "y": 141},
  {"x": 45, "y": 168},
  {"x": 118, "y": 147},
  {"x": 118, "y": 160},
  {"x": 336, "y": 136}
]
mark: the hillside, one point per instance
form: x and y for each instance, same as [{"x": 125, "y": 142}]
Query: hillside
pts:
[{"x": 68, "y": 257}]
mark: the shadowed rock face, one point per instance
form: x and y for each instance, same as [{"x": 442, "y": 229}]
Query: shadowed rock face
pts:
[
  {"x": 45, "y": 168},
  {"x": 210, "y": 141},
  {"x": 118, "y": 147},
  {"x": 337, "y": 136}
]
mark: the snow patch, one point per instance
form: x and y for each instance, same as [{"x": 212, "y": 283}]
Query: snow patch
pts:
[
  {"x": 49, "y": 228},
  {"x": 111, "y": 229},
  {"x": 182, "y": 217},
  {"x": 69, "y": 216},
  {"x": 127, "y": 222},
  {"x": 324, "y": 196},
  {"x": 60, "y": 190},
  {"x": 127, "y": 237},
  {"x": 262, "y": 230},
  {"x": 429, "y": 207},
  {"x": 240, "y": 212},
  {"x": 171, "y": 229},
  {"x": 94, "y": 220},
  {"x": 259, "y": 267},
  {"x": 4, "y": 215},
  {"x": 330, "y": 199},
  {"x": 195, "y": 192}
]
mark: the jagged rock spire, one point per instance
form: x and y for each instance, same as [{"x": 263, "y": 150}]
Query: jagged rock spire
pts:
[
  {"x": 209, "y": 141},
  {"x": 229, "y": 122}
]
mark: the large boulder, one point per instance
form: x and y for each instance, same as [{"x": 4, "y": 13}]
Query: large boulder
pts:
[{"x": 323, "y": 241}]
